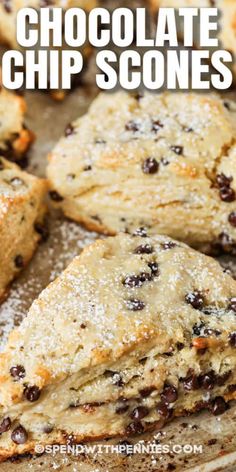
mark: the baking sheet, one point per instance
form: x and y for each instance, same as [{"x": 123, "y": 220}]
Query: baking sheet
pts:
[{"x": 216, "y": 435}]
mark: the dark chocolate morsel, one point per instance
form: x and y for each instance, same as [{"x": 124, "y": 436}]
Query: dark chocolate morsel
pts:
[
  {"x": 5, "y": 425},
  {"x": 17, "y": 371},
  {"x": 195, "y": 299},
  {"x": 150, "y": 166},
  {"x": 32, "y": 394},
  {"x": 19, "y": 435}
]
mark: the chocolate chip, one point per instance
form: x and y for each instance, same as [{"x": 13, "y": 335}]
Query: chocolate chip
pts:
[
  {"x": 19, "y": 261},
  {"x": 140, "y": 232},
  {"x": 32, "y": 394},
  {"x": 191, "y": 382},
  {"x": 179, "y": 346},
  {"x": 145, "y": 392},
  {"x": 156, "y": 125},
  {"x": 169, "y": 394},
  {"x": 17, "y": 371},
  {"x": 87, "y": 168},
  {"x": 212, "y": 441},
  {"x": 139, "y": 413},
  {"x": 19, "y": 435},
  {"x": 227, "y": 194},
  {"x": 135, "y": 428},
  {"x": 218, "y": 406},
  {"x": 135, "y": 305},
  {"x": 5, "y": 425},
  {"x": 137, "y": 280},
  {"x": 48, "y": 429},
  {"x": 208, "y": 380},
  {"x": 144, "y": 249},
  {"x": 232, "y": 218},
  {"x": 177, "y": 149},
  {"x": 150, "y": 166},
  {"x": 69, "y": 130},
  {"x": 187, "y": 129},
  {"x": 43, "y": 230},
  {"x": 224, "y": 241},
  {"x": 83, "y": 326},
  {"x": 154, "y": 268},
  {"x": 232, "y": 339},
  {"x": 223, "y": 181},
  {"x": 232, "y": 304},
  {"x": 132, "y": 126},
  {"x": 55, "y": 196},
  {"x": 195, "y": 299},
  {"x": 164, "y": 161},
  {"x": 170, "y": 467},
  {"x": 168, "y": 245}
]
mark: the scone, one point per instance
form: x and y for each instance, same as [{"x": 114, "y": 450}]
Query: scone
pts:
[
  {"x": 22, "y": 209},
  {"x": 15, "y": 138},
  {"x": 9, "y": 9},
  {"x": 8, "y": 13},
  {"x": 136, "y": 330},
  {"x": 166, "y": 162},
  {"x": 227, "y": 19}
]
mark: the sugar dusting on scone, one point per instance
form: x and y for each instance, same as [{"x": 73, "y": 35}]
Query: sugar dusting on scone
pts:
[
  {"x": 166, "y": 162},
  {"x": 22, "y": 210},
  {"x": 135, "y": 331}
]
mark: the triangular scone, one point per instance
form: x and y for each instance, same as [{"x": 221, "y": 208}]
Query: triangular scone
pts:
[
  {"x": 22, "y": 210},
  {"x": 8, "y": 15},
  {"x": 15, "y": 138},
  {"x": 134, "y": 331},
  {"x": 167, "y": 162},
  {"x": 226, "y": 19}
]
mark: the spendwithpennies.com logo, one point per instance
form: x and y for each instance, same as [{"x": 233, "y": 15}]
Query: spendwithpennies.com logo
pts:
[{"x": 125, "y": 448}]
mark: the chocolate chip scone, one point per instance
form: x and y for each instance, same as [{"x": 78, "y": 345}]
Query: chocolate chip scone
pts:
[
  {"x": 8, "y": 14},
  {"x": 9, "y": 9},
  {"x": 166, "y": 162},
  {"x": 138, "y": 330},
  {"x": 22, "y": 209},
  {"x": 15, "y": 138},
  {"x": 227, "y": 18}
]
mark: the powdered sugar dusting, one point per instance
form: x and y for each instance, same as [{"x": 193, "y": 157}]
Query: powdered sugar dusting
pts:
[{"x": 66, "y": 241}]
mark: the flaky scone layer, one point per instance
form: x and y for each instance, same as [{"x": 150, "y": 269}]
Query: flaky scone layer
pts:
[
  {"x": 166, "y": 162},
  {"x": 136, "y": 330},
  {"x": 22, "y": 210}
]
